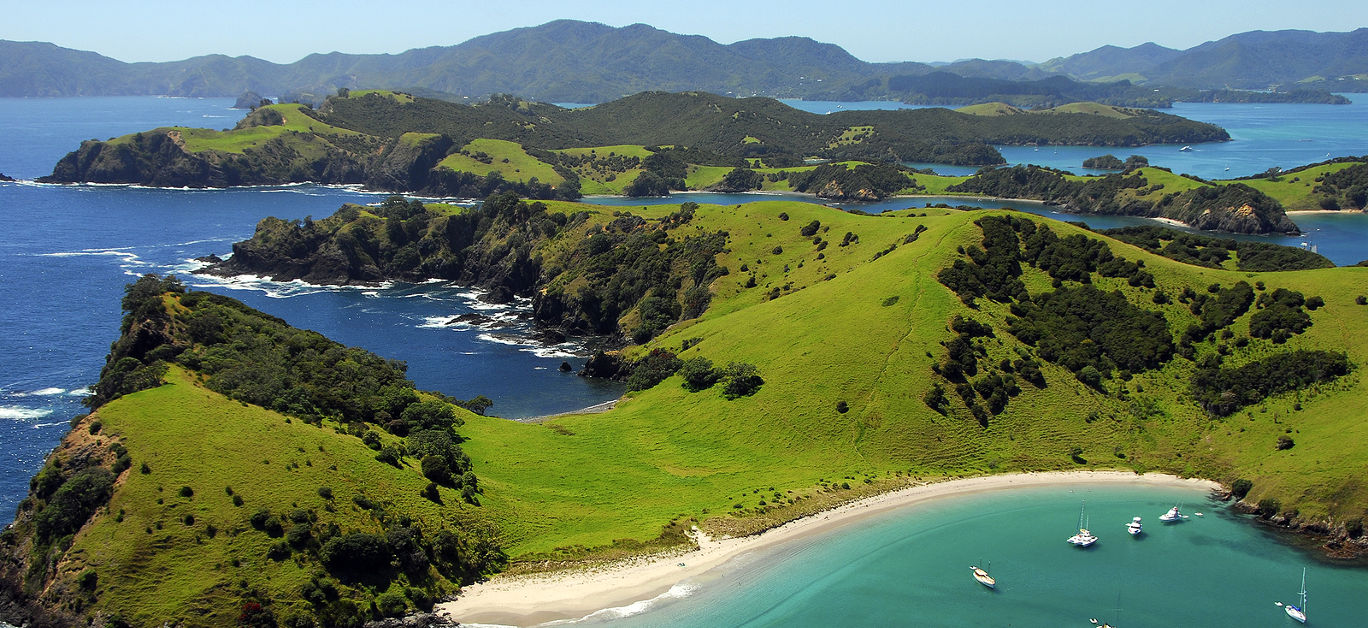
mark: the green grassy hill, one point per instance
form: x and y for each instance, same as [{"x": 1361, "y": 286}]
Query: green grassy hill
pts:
[
  {"x": 846, "y": 329},
  {"x": 851, "y": 322}
]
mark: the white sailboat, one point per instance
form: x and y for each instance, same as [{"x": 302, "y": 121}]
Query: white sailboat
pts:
[
  {"x": 1084, "y": 538},
  {"x": 1297, "y": 611},
  {"x": 983, "y": 578}
]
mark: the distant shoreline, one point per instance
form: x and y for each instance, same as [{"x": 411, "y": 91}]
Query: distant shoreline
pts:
[{"x": 540, "y": 598}]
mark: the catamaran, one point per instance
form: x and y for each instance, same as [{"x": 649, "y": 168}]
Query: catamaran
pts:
[
  {"x": 1084, "y": 538},
  {"x": 1297, "y": 611},
  {"x": 983, "y": 577},
  {"x": 1134, "y": 527},
  {"x": 1172, "y": 516}
]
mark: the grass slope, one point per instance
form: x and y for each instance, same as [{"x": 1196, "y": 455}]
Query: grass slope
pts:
[
  {"x": 850, "y": 329},
  {"x": 506, "y": 158},
  {"x": 153, "y": 566}
]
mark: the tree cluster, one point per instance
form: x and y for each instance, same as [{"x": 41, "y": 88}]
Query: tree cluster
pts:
[{"x": 1221, "y": 391}]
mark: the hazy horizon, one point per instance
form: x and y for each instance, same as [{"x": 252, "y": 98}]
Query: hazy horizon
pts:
[{"x": 871, "y": 31}]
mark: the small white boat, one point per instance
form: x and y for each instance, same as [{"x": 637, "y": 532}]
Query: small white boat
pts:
[
  {"x": 1185, "y": 149},
  {"x": 983, "y": 577},
  {"x": 1084, "y": 538},
  {"x": 1172, "y": 516},
  {"x": 1198, "y": 514},
  {"x": 1134, "y": 527},
  {"x": 1297, "y": 612}
]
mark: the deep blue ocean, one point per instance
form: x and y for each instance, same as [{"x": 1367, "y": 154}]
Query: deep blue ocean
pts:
[{"x": 71, "y": 249}]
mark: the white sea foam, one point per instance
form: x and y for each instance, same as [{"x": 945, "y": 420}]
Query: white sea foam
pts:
[
  {"x": 557, "y": 351},
  {"x": 20, "y": 413},
  {"x": 122, "y": 252},
  {"x": 281, "y": 289},
  {"x": 438, "y": 322},
  {"x": 503, "y": 340},
  {"x": 676, "y": 592},
  {"x": 79, "y": 392},
  {"x": 47, "y": 392},
  {"x": 42, "y": 425}
]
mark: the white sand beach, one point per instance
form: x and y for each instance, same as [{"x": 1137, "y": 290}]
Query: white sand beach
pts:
[{"x": 541, "y": 598}]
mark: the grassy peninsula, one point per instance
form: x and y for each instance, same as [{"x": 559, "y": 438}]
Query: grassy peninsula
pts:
[{"x": 782, "y": 356}]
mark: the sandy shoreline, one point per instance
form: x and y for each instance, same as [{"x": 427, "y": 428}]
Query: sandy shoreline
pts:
[
  {"x": 541, "y": 598},
  {"x": 1299, "y": 212}
]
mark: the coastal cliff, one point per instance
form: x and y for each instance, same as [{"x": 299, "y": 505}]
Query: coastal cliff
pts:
[
  {"x": 510, "y": 248},
  {"x": 221, "y": 475}
]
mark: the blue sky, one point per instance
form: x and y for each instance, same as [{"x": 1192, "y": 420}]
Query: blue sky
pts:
[{"x": 908, "y": 30}]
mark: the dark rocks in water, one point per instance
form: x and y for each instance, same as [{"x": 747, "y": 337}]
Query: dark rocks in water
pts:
[
  {"x": 210, "y": 259},
  {"x": 499, "y": 294},
  {"x": 566, "y": 368},
  {"x": 4, "y": 177},
  {"x": 250, "y": 100},
  {"x": 478, "y": 320},
  {"x": 548, "y": 336},
  {"x": 607, "y": 366}
]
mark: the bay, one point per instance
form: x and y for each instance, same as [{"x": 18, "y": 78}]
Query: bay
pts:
[
  {"x": 910, "y": 567},
  {"x": 70, "y": 250}
]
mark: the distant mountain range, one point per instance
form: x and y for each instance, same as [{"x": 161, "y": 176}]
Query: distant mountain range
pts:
[{"x": 573, "y": 61}]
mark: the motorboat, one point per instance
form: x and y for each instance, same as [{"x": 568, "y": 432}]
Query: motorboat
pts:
[
  {"x": 1134, "y": 527},
  {"x": 1172, "y": 516}
]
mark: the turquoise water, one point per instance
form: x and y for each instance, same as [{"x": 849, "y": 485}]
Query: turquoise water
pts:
[{"x": 911, "y": 568}]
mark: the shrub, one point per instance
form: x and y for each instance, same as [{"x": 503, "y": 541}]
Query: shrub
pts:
[
  {"x": 95, "y": 427},
  {"x": 187, "y": 492},
  {"x": 698, "y": 374},
  {"x": 325, "y": 492},
  {"x": 356, "y": 553},
  {"x": 810, "y": 229},
  {"x": 188, "y": 519},
  {"x": 73, "y": 503},
  {"x": 743, "y": 380},
  {"x": 1361, "y": 300},
  {"x": 842, "y": 407},
  {"x": 390, "y": 455},
  {"x": 299, "y": 536},
  {"x": 1268, "y": 507},
  {"x": 144, "y": 469},
  {"x": 1240, "y": 488},
  {"x": 435, "y": 468},
  {"x": 935, "y": 398},
  {"x": 280, "y": 550},
  {"x": 1284, "y": 442},
  {"x": 237, "y": 500},
  {"x": 87, "y": 579},
  {"x": 391, "y": 604},
  {"x": 653, "y": 369}
]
